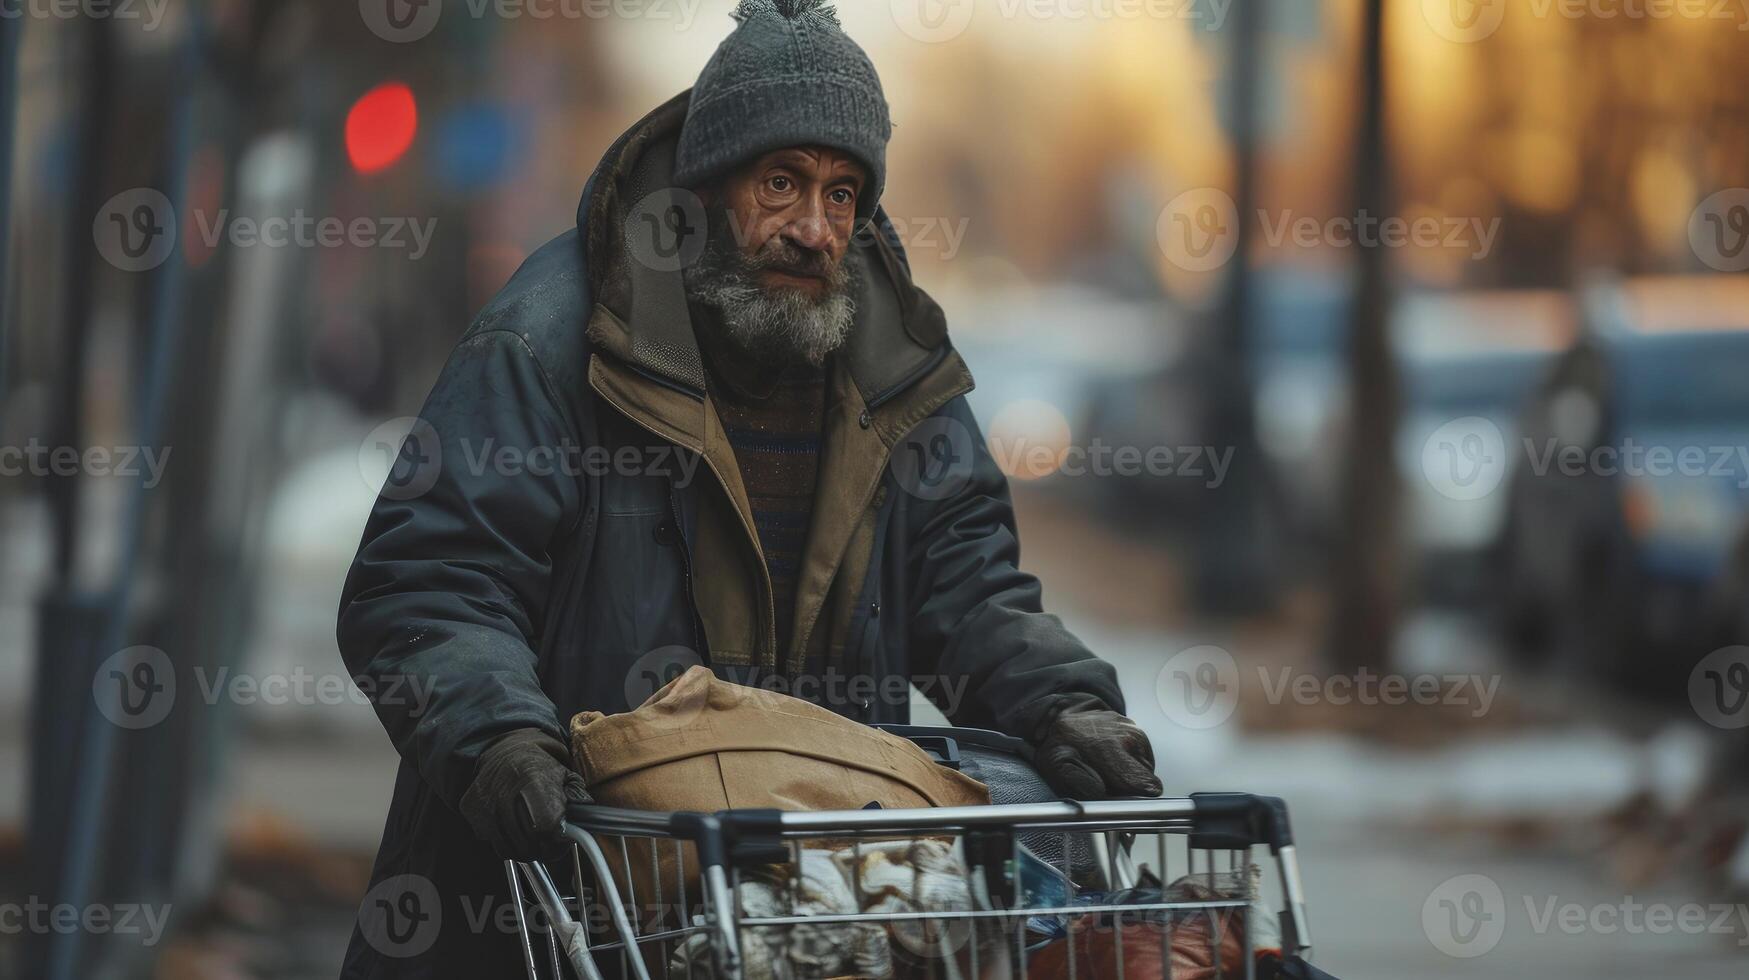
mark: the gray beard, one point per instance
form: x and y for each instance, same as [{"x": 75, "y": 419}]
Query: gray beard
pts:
[{"x": 780, "y": 326}]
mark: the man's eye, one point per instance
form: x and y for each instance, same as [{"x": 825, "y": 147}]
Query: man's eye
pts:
[
  {"x": 780, "y": 183},
  {"x": 842, "y": 196}
]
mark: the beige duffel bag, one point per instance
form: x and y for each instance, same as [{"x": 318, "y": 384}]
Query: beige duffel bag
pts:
[{"x": 705, "y": 744}]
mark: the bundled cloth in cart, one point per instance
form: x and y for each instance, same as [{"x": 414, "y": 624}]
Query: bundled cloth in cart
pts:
[
  {"x": 883, "y": 884},
  {"x": 875, "y": 881}
]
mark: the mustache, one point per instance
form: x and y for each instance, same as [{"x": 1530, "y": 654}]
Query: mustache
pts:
[
  {"x": 781, "y": 255},
  {"x": 784, "y": 256}
]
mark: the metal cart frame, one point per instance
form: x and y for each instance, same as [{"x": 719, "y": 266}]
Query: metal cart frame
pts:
[{"x": 729, "y": 842}]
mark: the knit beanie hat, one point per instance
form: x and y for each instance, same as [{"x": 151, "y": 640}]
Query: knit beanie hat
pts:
[{"x": 787, "y": 76}]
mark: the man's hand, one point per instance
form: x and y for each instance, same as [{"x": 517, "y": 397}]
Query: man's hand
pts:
[
  {"x": 520, "y": 790},
  {"x": 1087, "y": 751}
]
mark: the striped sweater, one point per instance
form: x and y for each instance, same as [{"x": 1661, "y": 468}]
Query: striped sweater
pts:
[{"x": 774, "y": 426}]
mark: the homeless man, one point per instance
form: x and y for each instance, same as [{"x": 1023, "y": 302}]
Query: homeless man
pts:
[{"x": 751, "y": 446}]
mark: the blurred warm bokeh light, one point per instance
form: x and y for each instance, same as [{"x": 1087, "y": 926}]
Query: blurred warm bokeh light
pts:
[{"x": 1030, "y": 439}]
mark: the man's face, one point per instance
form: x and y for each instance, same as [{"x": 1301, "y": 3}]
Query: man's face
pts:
[
  {"x": 774, "y": 263},
  {"x": 793, "y": 211}
]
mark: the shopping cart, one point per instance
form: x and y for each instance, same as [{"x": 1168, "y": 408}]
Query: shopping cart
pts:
[{"x": 656, "y": 895}]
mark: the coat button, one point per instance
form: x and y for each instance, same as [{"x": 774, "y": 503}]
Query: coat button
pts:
[
  {"x": 665, "y": 533},
  {"x": 863, "y": 419},
  {"x": 874, "y": 610}
]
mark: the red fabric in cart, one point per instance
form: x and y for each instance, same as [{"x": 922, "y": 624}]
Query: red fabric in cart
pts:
[{"x": 1095, "y": 948}]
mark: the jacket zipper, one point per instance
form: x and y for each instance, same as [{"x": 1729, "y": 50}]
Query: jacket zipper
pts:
[{"x": 698, "y": 644}]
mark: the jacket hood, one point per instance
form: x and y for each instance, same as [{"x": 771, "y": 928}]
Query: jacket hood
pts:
[{"x": 639, "y": 229}]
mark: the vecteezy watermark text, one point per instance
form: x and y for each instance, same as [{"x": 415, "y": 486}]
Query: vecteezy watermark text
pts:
[
  {"x": 149, "y": 12},
  {"x": 1200, "y": 687},
  {"x": 1466, "y": 916},
  {"x": 1472, "y": 235},
  {"x": 136, "y": 688},
  {"x": 1468, "y": 458},
  {"x": 404, "y": 21},
  {"x": 404, "y": 457},
  {"x": 136, "y": 230},
  {"x": 36, "y": 917},
  {"x": 1473, "y": 691},
  {"x": 937, "y": 21},
  {"x": 1199, "y": 230},
  {"x": 1470, "y": 21},
  {"x": 39, "y": 460},
  {"x": 1208, "y": 464}
]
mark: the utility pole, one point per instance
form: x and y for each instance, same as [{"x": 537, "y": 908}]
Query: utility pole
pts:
[
  {"x": 1231, "y": 574},
  {"x": 1365, "y": 604}
]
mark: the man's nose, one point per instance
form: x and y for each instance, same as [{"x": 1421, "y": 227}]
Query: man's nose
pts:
[{"x": 811, "y": 230}]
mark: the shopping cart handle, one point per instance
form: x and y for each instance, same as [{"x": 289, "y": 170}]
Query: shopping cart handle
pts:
[
  {"x": 1236, "y": 821},
  {"x": 600, "y": 819}
]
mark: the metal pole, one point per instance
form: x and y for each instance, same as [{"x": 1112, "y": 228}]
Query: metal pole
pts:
[
  {"x": 1232, "y": 574},
  {"x": 75, "y": 845},
  {"x": 11, "y": 42},
  {"x": 1364, "y": 619},
  {"x": 69, "y": 622}
]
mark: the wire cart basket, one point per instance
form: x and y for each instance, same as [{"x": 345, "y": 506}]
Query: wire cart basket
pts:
[{"x": 737, "y": 894}]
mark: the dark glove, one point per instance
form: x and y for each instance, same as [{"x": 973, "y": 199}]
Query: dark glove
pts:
[
  {"x": 1087, "y": 751},
  {"x": 520, "y": 790}
]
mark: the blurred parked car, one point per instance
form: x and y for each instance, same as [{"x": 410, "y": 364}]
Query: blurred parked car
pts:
[
  {"x": 1299, "y": 364},
  {"x": 1632, "y": 518},
  {"x": 1043, "y": 360},
  {"x": 1468, "y": 363},
  {"x": 1295, "y": 358}
]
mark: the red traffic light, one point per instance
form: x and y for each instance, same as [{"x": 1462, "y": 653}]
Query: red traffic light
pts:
[{"x": 380, "y": 127}]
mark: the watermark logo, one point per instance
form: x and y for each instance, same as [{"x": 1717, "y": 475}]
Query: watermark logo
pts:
[
  {"x": 135, "y": 688},
  {"x": 403, "y": 457},
  {"x": 935, "y": 460},
  {"x": 1465, "y": 916},
  {"x": 1464, "y": 21},
  {"x": 667, "y": 229},
  {"x": 135, "y": 230},
  {"x": 1718, "y": 230},
  {"x": 1464, "y": 459},
  {"x": 1199, "y": 229},
  {"x": 1718, "y": 688},
  {"x": 933, "y": 21},
  {"x": 1198, "y": 688},
  {"x": 656, "y": 669},
  {"x": 402, "y": 916},
  {"x": 400, "y": 21},
  {"x": 933, "y": 939}
]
